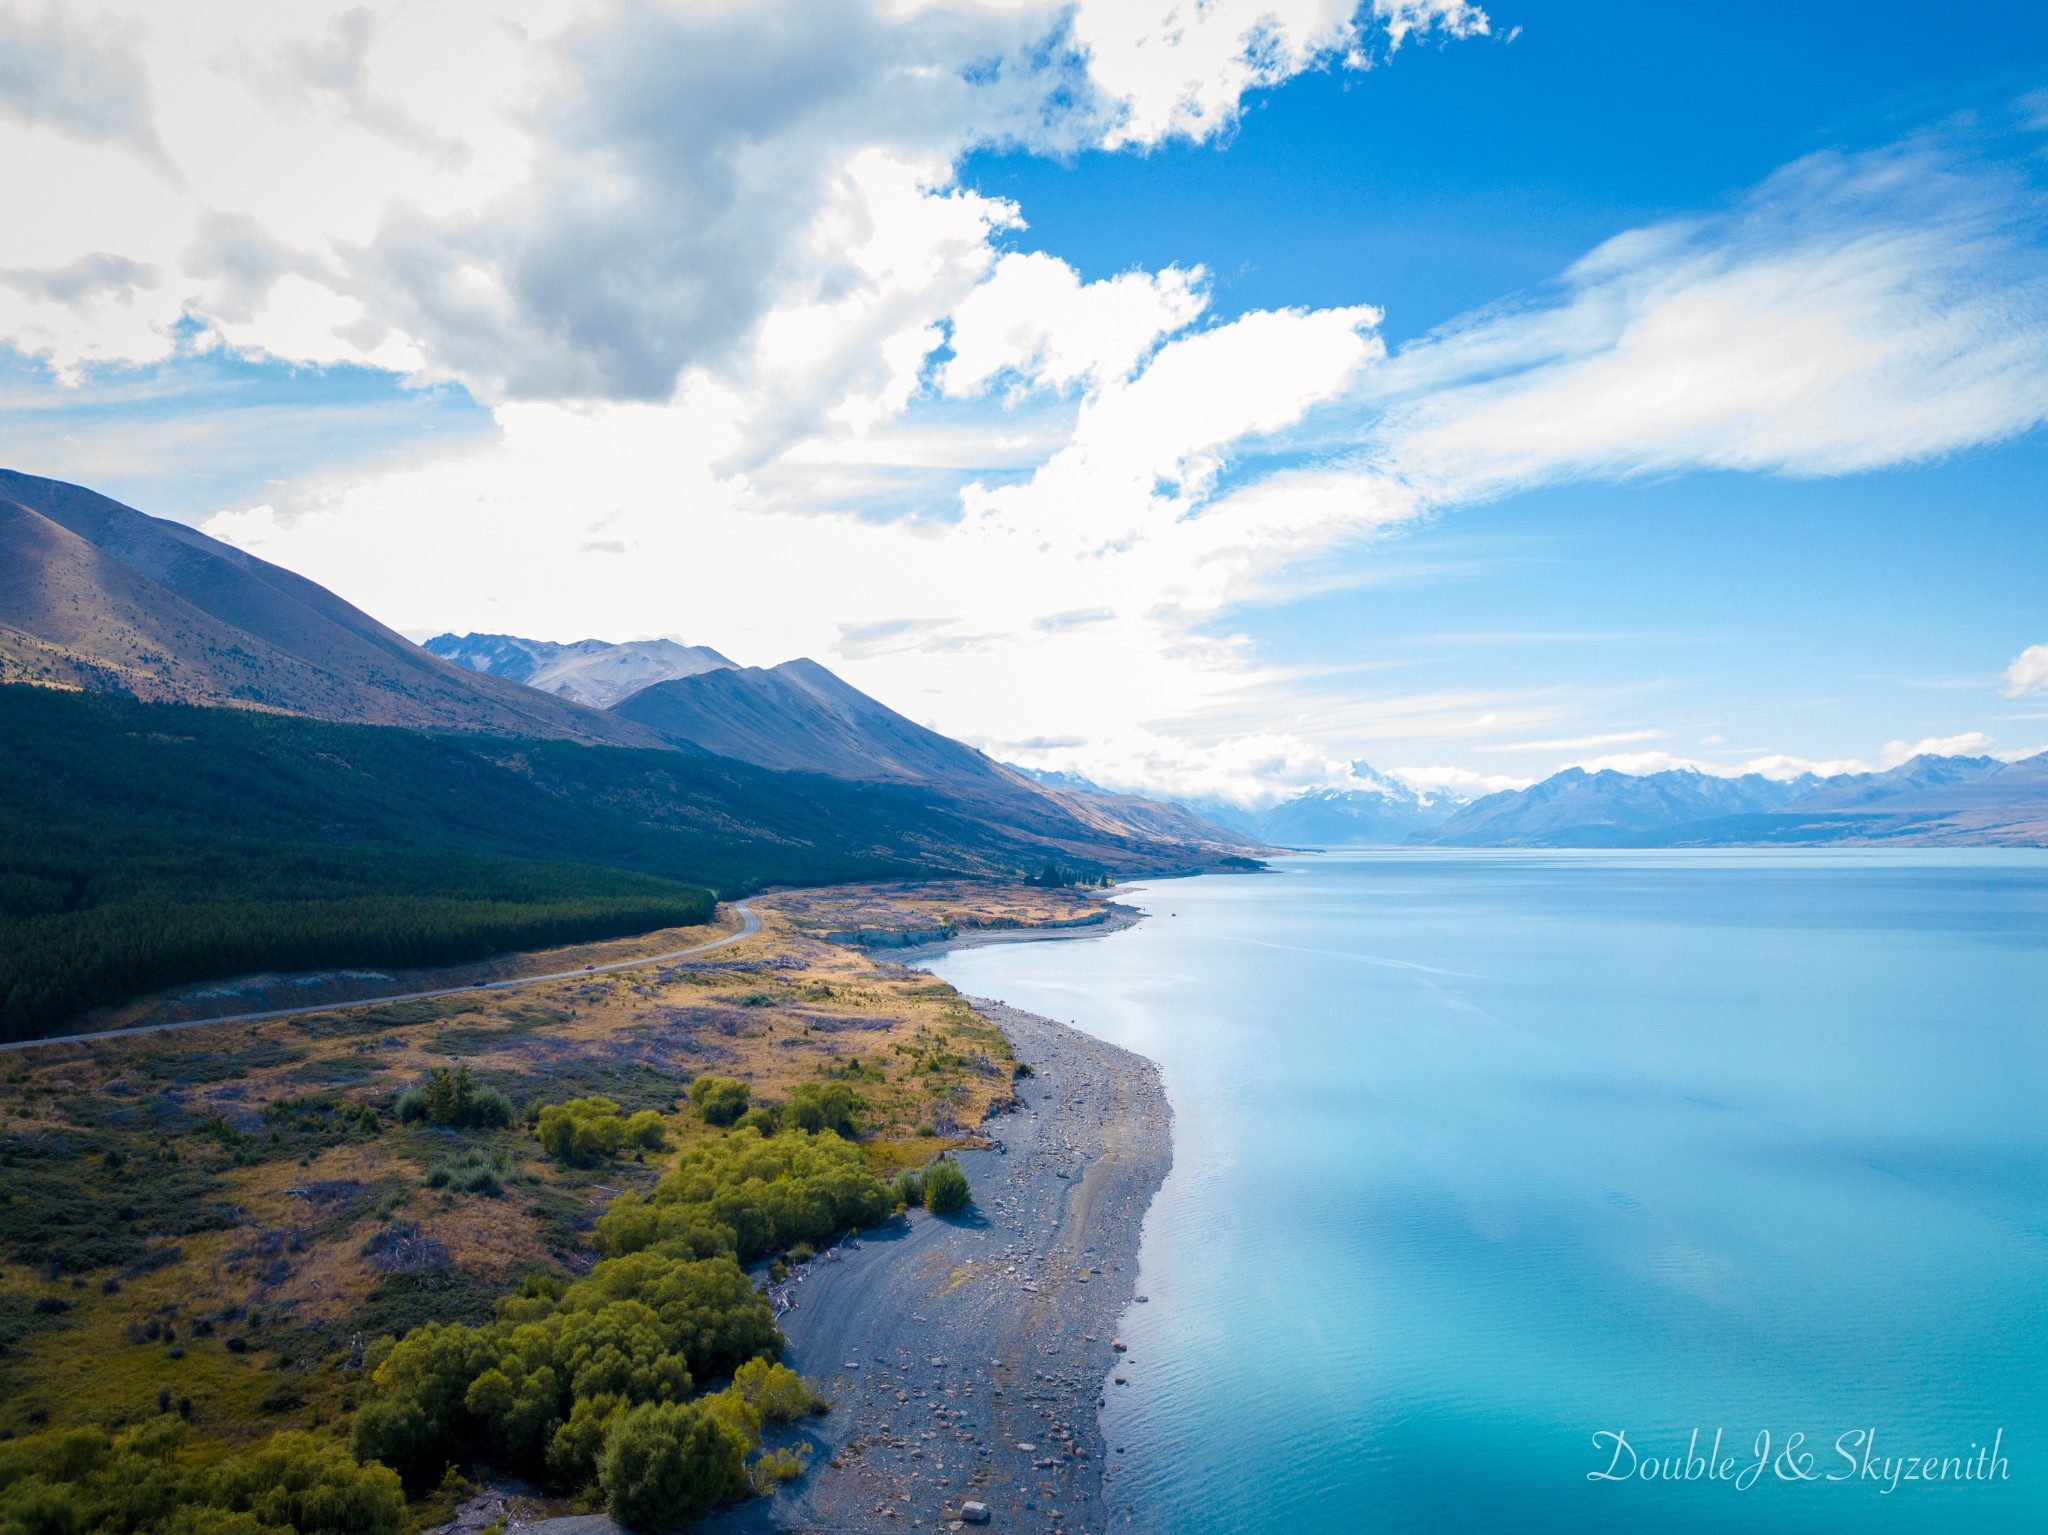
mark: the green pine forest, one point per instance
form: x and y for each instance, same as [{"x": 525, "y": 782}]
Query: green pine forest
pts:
[{"x": 151, "y": 845}]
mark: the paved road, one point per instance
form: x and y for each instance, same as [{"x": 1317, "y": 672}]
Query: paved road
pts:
[{"x": 749, "y": 925}]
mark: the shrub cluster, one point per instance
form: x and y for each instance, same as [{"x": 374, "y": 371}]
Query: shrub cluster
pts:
[
  {"x": 586, "y": 1130},
  {"x": 540, "y": 1384},
  {"x": 79, "y": 1479},
  {"x": 750, "y": 1194},
  {"x": 450, "y": 1100}
]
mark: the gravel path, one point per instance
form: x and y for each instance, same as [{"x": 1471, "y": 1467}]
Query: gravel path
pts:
[{"x": 966, "y": 1358}]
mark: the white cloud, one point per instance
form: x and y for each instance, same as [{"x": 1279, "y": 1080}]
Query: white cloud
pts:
[
  {"x": 2028, "y": 672},
  {"x": 1460, "y": 781},
  {"x": 1783, "y": 767},
  {"x": 1577, "y": 743},
  {"x": 1853, "y": 312},
  {"x": 1183, "y": 69},
  {"x": 601, "y": 196},
  {"x": 1972, "y": 743},
  {"x": 1036, "y": 321},
  {"x": 1638, "y": 763}
]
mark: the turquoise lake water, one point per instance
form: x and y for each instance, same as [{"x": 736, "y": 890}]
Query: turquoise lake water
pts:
[{"x": 1479, "y": 1155}]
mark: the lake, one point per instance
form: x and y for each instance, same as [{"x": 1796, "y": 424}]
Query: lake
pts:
[{"x": 1482, "y": 1155}]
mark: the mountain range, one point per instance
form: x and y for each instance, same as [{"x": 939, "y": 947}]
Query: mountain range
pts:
[
  {"x": 98, "y": 596},
  {"x": 1929, "y": 801}
]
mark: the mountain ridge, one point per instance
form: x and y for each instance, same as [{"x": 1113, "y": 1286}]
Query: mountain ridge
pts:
[
  {"x": 801, "y": 717},
  {"x": 97, "y": 595}
]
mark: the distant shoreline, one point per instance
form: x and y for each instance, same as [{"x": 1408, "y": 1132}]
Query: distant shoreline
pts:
[{"x": 1119, "y": 918}]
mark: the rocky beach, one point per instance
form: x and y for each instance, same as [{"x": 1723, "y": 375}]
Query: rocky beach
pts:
[{"x": 966, "y": 1358}]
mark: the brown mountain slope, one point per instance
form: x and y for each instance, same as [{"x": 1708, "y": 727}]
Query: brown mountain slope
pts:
[
  {"x": 94, "y": 594},
  {"x": 800, "y": 717}
]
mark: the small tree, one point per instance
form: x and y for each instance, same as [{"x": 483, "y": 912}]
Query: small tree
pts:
[
  {"x": 946, "y": 1190},
  {"x": 452, "y": 1100},
  {"x": 719, "y": 1100},
  {"x": 818, "y": 1106}
]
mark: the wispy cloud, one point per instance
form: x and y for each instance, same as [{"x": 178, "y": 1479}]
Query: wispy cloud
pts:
[
  {"x": 1856, "y": 310},
  {"x": 1575, "y": 743}
]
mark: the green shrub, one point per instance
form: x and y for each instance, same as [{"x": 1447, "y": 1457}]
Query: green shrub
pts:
[
  {"x": 665, "y": 1464},
  {"x": 946, "y": 1190},
  {"x": 84, "y": 1479},
  {"x": 472, "y": 1172},
  {"x": 775, "y": 1392},
  {"x": 646, "y": 1131},
  {"x": 749, "y": 1195},
  {"x": 763, "y": 1118},
  {"x": 816, "y": 1106},
  {"x": 908, "y": 1189},
  {"x": 450, "y": 1100},
  {"x": 775, "y": 1468},
  {"x": 581, "y": 1131},
  {"x": 719, "y": 1100}
]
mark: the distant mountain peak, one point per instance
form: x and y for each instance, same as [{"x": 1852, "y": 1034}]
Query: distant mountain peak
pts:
[{"x": 594, "y": 673}]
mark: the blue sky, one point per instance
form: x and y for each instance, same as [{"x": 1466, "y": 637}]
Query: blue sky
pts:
[
  {"x": 1201, "y": 405},
  {"x": 1461, "y": 172}
]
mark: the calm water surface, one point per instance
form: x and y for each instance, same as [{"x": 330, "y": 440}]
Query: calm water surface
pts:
[{"x": 1480, "y": 1155}]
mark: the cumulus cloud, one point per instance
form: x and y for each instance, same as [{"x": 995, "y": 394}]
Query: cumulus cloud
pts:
[
  {"x": 600, "y": 198},
  {"x": 2028, "y": 672},
  {"x": 1184, "y": 69},
  {"x": 1036, "y": 323}
]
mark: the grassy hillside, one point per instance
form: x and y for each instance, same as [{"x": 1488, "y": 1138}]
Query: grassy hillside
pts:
[{"x": 147, "y": 845}]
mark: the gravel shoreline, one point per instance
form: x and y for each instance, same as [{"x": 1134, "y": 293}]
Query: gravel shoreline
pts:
[{"x": 966, "y": 1358}]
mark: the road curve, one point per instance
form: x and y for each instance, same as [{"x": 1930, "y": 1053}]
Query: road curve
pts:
[{"x": 749, "y": 925}]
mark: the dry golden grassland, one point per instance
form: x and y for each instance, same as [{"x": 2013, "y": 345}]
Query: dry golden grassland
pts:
[{"x": 212, "y": 1218}]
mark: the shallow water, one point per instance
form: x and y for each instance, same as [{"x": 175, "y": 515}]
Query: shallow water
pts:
[{"x": 1481, "y": 1154}]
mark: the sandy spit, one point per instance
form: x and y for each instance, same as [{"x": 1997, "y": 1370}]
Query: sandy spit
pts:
[{"x": 967, "y": 1357}]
